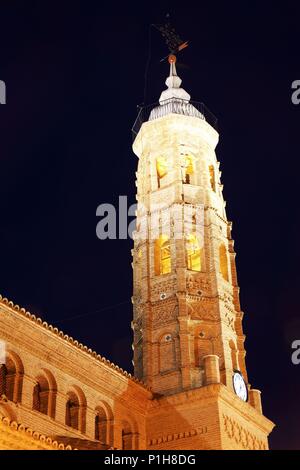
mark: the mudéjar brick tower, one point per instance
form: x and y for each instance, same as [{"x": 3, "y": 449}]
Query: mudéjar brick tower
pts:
[
  {"x": 190, "y": 389},
  {"x": 187, "y": 318}
]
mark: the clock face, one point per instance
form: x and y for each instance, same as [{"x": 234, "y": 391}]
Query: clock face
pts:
[{"x": 240, "y": 386}]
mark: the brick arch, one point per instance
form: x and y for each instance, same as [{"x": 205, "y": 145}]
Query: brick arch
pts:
[
  {"x": 11, "y": 377},
  {"x": 76, "y": 408},
  {"x": 50, "y": 377},
  {"x": 17, "y": 360},
  {"x": 129, "y": 432},
  {"x": 44, "y": 393},
  {"x": 104, "y": 423},
  {"x": 80, "y": 393}
]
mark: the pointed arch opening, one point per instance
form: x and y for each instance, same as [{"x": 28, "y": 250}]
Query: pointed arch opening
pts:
[{"x": 162, "y": 255}]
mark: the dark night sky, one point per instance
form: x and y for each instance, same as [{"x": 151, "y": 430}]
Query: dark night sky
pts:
[{"x": 74, "y": 73}]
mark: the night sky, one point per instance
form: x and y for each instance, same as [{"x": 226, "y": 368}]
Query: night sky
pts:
[{"x": 74, "y": 73}]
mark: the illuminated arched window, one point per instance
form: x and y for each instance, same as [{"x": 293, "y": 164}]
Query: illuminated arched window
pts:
[
  {"x": 212, "y": 177},
  {"x": 223, "y": 262},
  {"x": 162, "y": 255},
  {"x": 161, "y": 169},
  {"x": 187, "y": 168},
  {"x": 193, "y": 252}
]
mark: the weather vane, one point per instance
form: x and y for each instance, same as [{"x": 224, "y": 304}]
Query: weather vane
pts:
[{"x": 173, "y": 41}]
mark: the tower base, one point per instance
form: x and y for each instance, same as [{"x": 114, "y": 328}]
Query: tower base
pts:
[{"x": 207, "y": 418}]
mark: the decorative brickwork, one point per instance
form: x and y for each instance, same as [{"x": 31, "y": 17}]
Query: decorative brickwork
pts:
[
  {"x": 241, "y": 436},
  {"x": 187, "y": 322}
]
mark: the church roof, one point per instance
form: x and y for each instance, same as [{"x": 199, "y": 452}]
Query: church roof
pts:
[
  {"x": 70, "y": 340},
  {"x": 25, "y": 436}
]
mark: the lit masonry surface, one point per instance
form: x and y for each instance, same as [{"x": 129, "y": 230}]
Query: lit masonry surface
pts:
[
  {"x": 185, "y": 288},
  {"x": 187, "y": 316},
  {"x": 188, "y": 339}
]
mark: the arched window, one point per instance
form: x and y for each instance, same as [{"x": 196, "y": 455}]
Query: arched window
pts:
[
  {"x": 104, "y": 424},
  {"x": 223, "y": 262},
  {"x": 162, "y": 256},
  {"x": 161, "y": 169},
  {"x": 212, "y": 177},
  {"x": 72, "y": 410},
  {"x": 11, "y": 377},
  {"x": 44, "y": 394},
  {"x": 76, "y": 409},
  {"x": 41, "y": 395},
  {"x": 127, "y": 437},
  {"x": 187, "y": 168},
  {"x": 36, "y": 403},
  {"x": 166, "y": 353},
  {"x": 193, "y": 252},
  {"x": 101, "y": 426}
]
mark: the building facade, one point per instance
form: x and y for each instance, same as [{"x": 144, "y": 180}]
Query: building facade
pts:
[{"x": 190, "y": 388}]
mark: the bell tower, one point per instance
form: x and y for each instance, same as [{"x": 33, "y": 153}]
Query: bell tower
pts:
[
  {"x": 186, "y": 297},
  {"x": 187, "y": 320}
]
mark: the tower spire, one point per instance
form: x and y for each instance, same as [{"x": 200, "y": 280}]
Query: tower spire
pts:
[{"x": 173, "y": 83}]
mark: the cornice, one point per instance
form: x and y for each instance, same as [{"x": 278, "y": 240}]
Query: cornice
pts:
[
  {"x": 28, "y": 432},
  {"x": 68, "y": 339}
]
